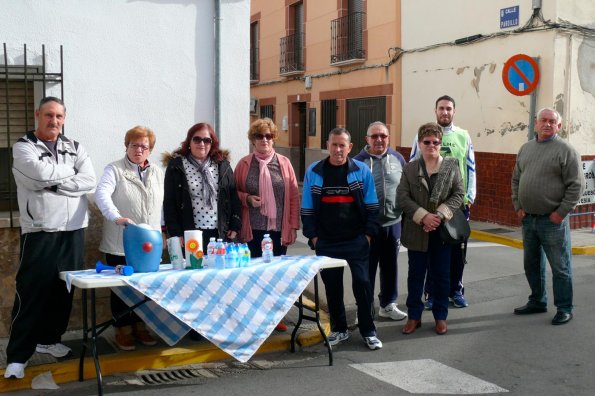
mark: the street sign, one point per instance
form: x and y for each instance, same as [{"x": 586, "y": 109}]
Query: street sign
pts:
[
  {"x": 520, "y": 75},
  {"x": 509, "y": 17},
  {"x": 588, "y": 169}
]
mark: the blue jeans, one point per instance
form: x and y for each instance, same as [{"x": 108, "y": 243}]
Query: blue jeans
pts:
[
  {"x": 543, "y": 239},
  {"x": 437, "y": 262},
  {"x": 457, "y": 265}
]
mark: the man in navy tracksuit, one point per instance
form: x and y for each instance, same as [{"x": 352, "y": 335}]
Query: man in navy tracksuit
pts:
[
  {"x": 386, "y": 166},
  {"x": 339, "y": 216}
]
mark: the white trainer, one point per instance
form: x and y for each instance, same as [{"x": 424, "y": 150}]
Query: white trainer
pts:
[
  {"x": 56, "y": 350},
  {"x": 393, "y": 312},
  {"x": 15, "y": 370},
  {"x": 373, "y": 342}
]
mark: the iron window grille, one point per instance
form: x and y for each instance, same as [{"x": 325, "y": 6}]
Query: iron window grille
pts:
[
  {"x": 292, "y": 54},
  {"x": 347, "y": 38}
]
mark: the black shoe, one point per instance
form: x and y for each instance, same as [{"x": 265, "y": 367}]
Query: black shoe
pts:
[
  {"x": 529, "y": 309},
  {"x": 561, "y": 318}
]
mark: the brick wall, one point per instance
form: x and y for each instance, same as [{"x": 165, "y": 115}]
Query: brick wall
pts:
[{"x": 493, "y": 203}]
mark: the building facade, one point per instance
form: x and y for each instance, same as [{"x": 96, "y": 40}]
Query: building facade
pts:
[
  {"x": 464, "y": 54},
  {"x": 117, "y": 64},
  {"x": 318, "y": 65}
]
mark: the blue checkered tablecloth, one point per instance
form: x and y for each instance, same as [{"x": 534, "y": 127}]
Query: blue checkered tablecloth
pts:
[{"x": 235, "y": 309}]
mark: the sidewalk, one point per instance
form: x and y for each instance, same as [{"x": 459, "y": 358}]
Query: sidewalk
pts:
[
  {"x": 583, "y": 240},
  {"x": 192, "y": 352}
]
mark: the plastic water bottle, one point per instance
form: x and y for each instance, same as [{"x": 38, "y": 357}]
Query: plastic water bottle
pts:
[
  {"x": 232, "y": 257},
  {"x": 210, "y": 253},
  {"x": 267, "y": 248},
  {"x": 220, "y": 254},
  {"x": 244, "y": 255}
]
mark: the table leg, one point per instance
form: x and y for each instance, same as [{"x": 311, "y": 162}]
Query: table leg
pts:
[
  {"x": 316, "y": 318},
  {"x": 317, "y": 312},
  {"x": 85, "y": 336},
  {"x": 94, "y": 344},
  {"x": 300, "y": 306}
]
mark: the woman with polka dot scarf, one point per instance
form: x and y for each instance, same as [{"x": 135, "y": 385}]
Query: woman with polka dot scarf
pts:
[{"x": 200, "y": 191}]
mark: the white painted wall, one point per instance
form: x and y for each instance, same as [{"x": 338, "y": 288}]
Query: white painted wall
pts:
[
  {"x": 472, "y": 74},
  {"x": 235, "y": 77},
  {"x": 136, "y": 62}
]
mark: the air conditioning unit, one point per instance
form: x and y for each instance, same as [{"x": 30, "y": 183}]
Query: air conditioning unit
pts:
[{"x": 253, "y": 105}]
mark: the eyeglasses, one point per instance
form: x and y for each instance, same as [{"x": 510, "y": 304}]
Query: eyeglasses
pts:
[
  {"x": 198, "y": 140},
  {"x": 140, "y": 147},
  {"x": 378, "y": 136},
  {"x": 432, "y": 142},
  {"x": 260, "y": 136}
]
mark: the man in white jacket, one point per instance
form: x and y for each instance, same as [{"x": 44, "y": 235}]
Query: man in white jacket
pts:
[{"x": 53, "y": 174}]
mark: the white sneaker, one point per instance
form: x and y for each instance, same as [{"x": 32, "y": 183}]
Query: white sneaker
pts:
[
  {"x": 393, "y": 312},
  {"x": 15, "y": 370},
  {"x": 373, "y": 342},
  {"x": 56, "y": 350},
  {"x": 336, "y": 337}
]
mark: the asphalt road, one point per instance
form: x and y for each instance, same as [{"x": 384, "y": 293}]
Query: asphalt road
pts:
[{"x": 487, "y": 349}]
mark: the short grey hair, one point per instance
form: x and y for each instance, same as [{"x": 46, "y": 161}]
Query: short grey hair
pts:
[
  {"x": 47, "y": 99},
  {"x": 339, "y": 132},
  {"x": 375, "y": 124},
  {"x": 558, "y": 116}
]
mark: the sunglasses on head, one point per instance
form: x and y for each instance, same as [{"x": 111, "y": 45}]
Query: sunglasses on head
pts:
[
  {"x": 205, "y": 140},
  {"x": 432, "y": 142},
  {"x": 260, "y": 136},
  {"x": 378, "y": 136}
]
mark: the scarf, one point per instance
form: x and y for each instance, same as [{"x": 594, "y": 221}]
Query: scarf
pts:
[
  {"x": 443, "y": 183},
  {"x": 268, "y": 206},
  {"x": 209, "y": 186}
]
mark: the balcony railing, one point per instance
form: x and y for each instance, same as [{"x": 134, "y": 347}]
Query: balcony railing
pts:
[
  {"x": 254, "y": 64},
  {"x": 292, "y": 54},
  {"x": 347, "y": 39}
]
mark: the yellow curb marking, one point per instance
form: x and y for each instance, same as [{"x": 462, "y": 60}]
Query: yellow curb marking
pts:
[{"x": 67, "y": 371}]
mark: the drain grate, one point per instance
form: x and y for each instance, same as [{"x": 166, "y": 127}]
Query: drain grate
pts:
[
  {"x": 194, "y": 373},
  {"x": 169, "y": 376}
]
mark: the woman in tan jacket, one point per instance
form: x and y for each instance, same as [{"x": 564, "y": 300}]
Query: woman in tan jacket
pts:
[{"x": 431, "y": 189}]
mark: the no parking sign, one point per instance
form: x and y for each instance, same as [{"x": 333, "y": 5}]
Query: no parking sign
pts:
[{"x": 520, "y": 75}]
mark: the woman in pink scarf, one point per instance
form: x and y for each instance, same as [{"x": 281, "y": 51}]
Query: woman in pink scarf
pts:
[{"x": 268, "y": 191}]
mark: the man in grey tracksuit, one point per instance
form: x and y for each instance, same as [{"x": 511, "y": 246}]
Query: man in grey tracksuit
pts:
[
  {"x": 386, "y": 166},
  {"x": 53, "y": 174}
]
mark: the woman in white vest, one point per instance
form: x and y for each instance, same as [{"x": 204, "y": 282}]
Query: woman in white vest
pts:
[{"x": 130, "y": 191}]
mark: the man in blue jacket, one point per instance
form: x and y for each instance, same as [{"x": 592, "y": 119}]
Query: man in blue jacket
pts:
[
  {"x": 386, "y": 166},
  {"x": 339, "y": 215}
]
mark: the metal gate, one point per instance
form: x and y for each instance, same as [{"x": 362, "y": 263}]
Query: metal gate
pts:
[
  {"x": 20, "y": 84},
  {"x": 360, "y": 114}
]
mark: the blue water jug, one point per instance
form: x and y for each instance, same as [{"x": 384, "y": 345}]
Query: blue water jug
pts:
[{"x": 142, "y": 247}]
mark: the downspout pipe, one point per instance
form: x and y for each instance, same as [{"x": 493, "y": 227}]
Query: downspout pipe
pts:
[{"x": 217, "y": 109}]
